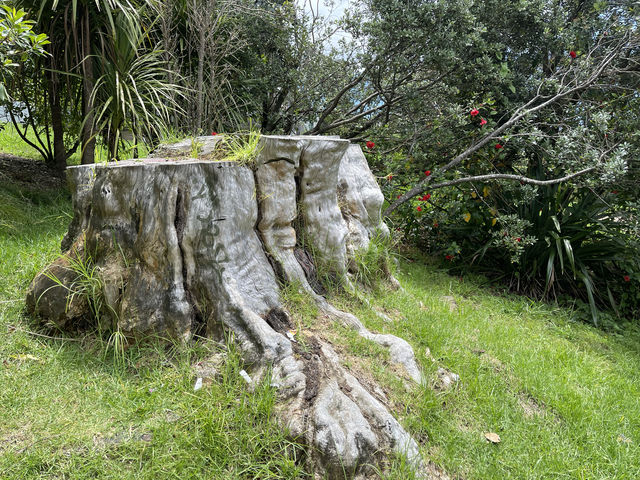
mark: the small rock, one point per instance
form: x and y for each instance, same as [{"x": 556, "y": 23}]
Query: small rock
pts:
[
  {"x": 245, "y": 376},
  {"x": 198, "y": 384},
  {"x": 446, "y": 378}
]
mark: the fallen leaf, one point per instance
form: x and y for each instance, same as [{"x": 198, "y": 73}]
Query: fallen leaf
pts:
[
  {"x": 624, "y": 439},
  {"x": 291, "y": 335},
  {"x": 28, "y": 356},
  {"x": 492, "y": 437}
]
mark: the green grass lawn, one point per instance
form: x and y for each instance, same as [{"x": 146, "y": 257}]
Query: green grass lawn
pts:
[
  {"x": 11, "y": 142},
  {"x": 563, "y": 396}
]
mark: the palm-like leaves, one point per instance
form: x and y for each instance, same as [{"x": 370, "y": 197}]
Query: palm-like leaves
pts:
[
  {"x": 131, "y": 90},
  {"x": 578, "y": 244}
]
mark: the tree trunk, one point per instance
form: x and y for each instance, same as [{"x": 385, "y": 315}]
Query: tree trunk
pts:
[
  {"x": 195, "y": 245},
  {"x": 200, "y": 82},
  {"x": 59, "y": 150},
  {"x": 88, "y": 134}
]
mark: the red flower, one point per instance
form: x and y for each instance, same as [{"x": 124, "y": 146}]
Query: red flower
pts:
[
  {"x": 389, "y": 177},
  {"x": 427, "y": 196},
  {"x": 435, "y": 224},
  {"x": 214, "y": 133},
  {"x": 483, "y": 122},
  {"x": 572, "y": 54},
  {"x": 498, "y": 146},
  {"x": 474, "y": 112},
  {"x": 427, "y": 173},
  {"x": 615, "y": 192},
  {"x": 370, "y": 144},
  {"x": 449, "y": 257},
  {"x": 626, "y": 278},
  {"x": 419, "y": 208},
  {"x": 398, "y": 196},
  {"x": 518, "y": 239}
]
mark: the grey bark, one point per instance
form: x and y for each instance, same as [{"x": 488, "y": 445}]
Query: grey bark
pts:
[{"x": 189, "y": 245}]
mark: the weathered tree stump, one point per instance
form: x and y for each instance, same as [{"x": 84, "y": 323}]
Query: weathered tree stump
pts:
[{"x": 185, "y": 246}]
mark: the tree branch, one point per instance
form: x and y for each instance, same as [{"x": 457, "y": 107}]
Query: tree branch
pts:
[
  {"x": 508, "y": 176},
  {"x": 520, "y": 113}
]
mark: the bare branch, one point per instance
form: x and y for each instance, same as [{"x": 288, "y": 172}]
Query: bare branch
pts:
[{"x": 508, "y": 176}]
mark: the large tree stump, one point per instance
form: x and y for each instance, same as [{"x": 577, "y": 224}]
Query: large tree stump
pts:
[{"x": 185, "y": 246}]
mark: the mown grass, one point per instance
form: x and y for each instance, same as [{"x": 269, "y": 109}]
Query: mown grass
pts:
[
  {"x": 563, "y": 396},
  {"x": 10, "y": 142}
]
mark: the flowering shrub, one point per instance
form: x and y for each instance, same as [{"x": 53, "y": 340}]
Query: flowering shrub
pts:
[
  {"x": 545, "y": 241},
  {"x": 511, "y": 236}
]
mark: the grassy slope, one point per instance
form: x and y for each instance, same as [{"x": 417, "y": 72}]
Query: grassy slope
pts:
[
  {"x": 68, "y": 410},
  {"x": 563, "y": 396}
]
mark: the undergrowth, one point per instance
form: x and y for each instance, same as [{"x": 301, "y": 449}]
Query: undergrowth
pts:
[
  {"x": 372, "y": 266},
  {"x": 241, "y": 148}
]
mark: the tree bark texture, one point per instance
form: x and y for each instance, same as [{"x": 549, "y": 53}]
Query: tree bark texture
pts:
[{"x": 189, "y": 245}]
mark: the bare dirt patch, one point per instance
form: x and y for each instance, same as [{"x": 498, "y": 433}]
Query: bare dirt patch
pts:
[
  {"x": 17, "y": 440},
  {"x": 30, "y": 174},
  {"x": 530, "y": 406}
]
